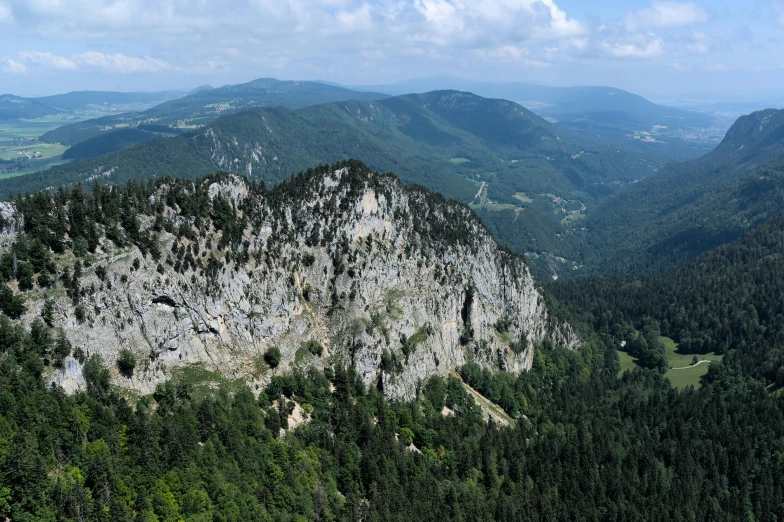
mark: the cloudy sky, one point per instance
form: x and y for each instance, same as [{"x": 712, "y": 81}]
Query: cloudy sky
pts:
[{"x": 666, "y": 50}]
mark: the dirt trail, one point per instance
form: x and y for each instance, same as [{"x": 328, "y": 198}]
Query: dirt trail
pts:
[
  {"x": 692, "y": 366},
  {"x": 479, "y": 194}
]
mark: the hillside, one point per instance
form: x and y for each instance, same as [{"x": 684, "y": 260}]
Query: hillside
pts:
[
  {"x": 598, "y": 116},
  {"x": 692, "y": 207},
  {"x": 494, "y": 154},
  {"x": 82, "y": 100},
  {"x": 204, "y": 105},
  {"x": 727, "y": 301},
  {"x": 14, "y": 108},
  {"x": 393, "y": 280}
]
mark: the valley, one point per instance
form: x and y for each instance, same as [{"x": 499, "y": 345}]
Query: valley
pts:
[{"x": 273, "y": 301}]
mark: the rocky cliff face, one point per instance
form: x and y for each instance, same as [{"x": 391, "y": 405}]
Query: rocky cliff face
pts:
[{"x": 341, "y": 262}]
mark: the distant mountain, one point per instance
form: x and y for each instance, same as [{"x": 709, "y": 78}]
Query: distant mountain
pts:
[
  {"x": 201, "y": 88},
  {"x": 692, "y": 207},
  {"x": 206, "y": 104},
  {"x": 597, "y": 115},
  {"x": 522, "y": 178},
  {"x": 85, "y": 99},
  {"x": 16, "y": 107}
]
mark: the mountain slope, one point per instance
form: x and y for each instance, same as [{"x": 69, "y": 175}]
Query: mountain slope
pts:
[
  {"x": 393, "y": 280},
  {"x": 690, "y": 208},
  {"x": 15, "y": 107},
  {"x": 494, "y": 154},
  {"x": 618, "y": 117},
  {"x": 204, "y": 105},
  {"x": 731, "y": 298},
  {"x": 80, "y": 100}
]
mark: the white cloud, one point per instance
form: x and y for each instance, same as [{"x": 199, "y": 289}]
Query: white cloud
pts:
[
  {"x": 119, "y": 62},
  {"x": 666, "y": 14},
  {"x": 5, "y": 13},
  {"x": 116, "y": 62},
  {"x": 8, "y": 65},
  {"x": 48, "y": 60},
  {"x": 655, "y": 47},
  {"x": 700, "y": 43}
]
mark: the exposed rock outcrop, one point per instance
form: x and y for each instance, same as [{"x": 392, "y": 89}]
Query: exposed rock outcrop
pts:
[{"x": 393, "y": 279}]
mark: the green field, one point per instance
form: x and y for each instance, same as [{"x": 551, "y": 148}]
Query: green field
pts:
[
  {"x": 495, "y": 207},
  {"x": 19, "y": 141},
  {"x": 681, "y": 373},
  {"x": 523, "y": 197},
  {"x": 460, "y": 160}
]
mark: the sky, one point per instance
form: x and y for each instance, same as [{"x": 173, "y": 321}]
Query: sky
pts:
[{"x": 664, "y": 50}]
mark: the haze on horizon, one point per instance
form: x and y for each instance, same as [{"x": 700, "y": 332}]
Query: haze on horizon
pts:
[{"x": 662, "y": 49}]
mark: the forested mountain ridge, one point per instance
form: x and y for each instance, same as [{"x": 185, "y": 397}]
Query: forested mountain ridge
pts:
[
  {"x": 512, "y": 166},
  {"x": 313, "y": 444},
  {"x": 689, "y": 208},
  {"x": 335, "y": 264},
  {"x": 203, "y": 106},
  {"x": 15, "y": 107},
  {"x": 598, "y": 116}
]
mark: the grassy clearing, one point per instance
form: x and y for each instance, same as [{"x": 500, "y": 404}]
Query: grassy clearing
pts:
[
  {"x": 458, "y": 161},
  {"x": 496, "y": 207},
  {"x": 628, "y": 363},
  {"x": 523, "y": 197},
  {"x": 682, "y": 372},
  {"x": 200, "y": 380}
]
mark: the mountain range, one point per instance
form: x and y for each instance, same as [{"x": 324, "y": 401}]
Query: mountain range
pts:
[
  {"x": 16, "y": 107},
  {"x": 206, "y": 104},
  {"x": 595, "y": 115},
  {"x": 511, "y": 165}
]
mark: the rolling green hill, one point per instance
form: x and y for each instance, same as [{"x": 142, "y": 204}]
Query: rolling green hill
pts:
[
  {"x": 509, "y": 164},
  {"x": 692, "y": 207},
  {"x": 205, "y": 104}
]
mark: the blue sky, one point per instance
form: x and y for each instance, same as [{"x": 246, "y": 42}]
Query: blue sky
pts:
[{"x": 665, "y": 50}]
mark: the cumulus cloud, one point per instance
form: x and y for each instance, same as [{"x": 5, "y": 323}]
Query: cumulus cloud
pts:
[
  {"x": 480, "y": 24},
  {"x": 48, "y": 60},
  {"x": 116, "y": 62},
  {"x": 654, "y": 47},
  {"x": 667, "y": 14},
  {"x": 119, "y": 62},
  {"x": 5, "y": 13},
  {"x": 8, "y": 65}
]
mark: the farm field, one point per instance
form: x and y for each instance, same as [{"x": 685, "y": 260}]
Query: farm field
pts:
[
  {"x": 682, "y": 372},
  {"x": 19, "y": 145}
]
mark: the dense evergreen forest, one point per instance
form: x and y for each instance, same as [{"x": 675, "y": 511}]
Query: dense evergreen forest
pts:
[
  {"x": 730, "y": 300},
  {"x": 585, "y": 443}
]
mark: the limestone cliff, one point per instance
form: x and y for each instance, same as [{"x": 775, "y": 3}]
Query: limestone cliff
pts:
[{"x": 393, "y": 279}]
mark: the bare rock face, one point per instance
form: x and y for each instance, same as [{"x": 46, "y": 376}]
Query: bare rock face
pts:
[{"x": 340, "y": 263}]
